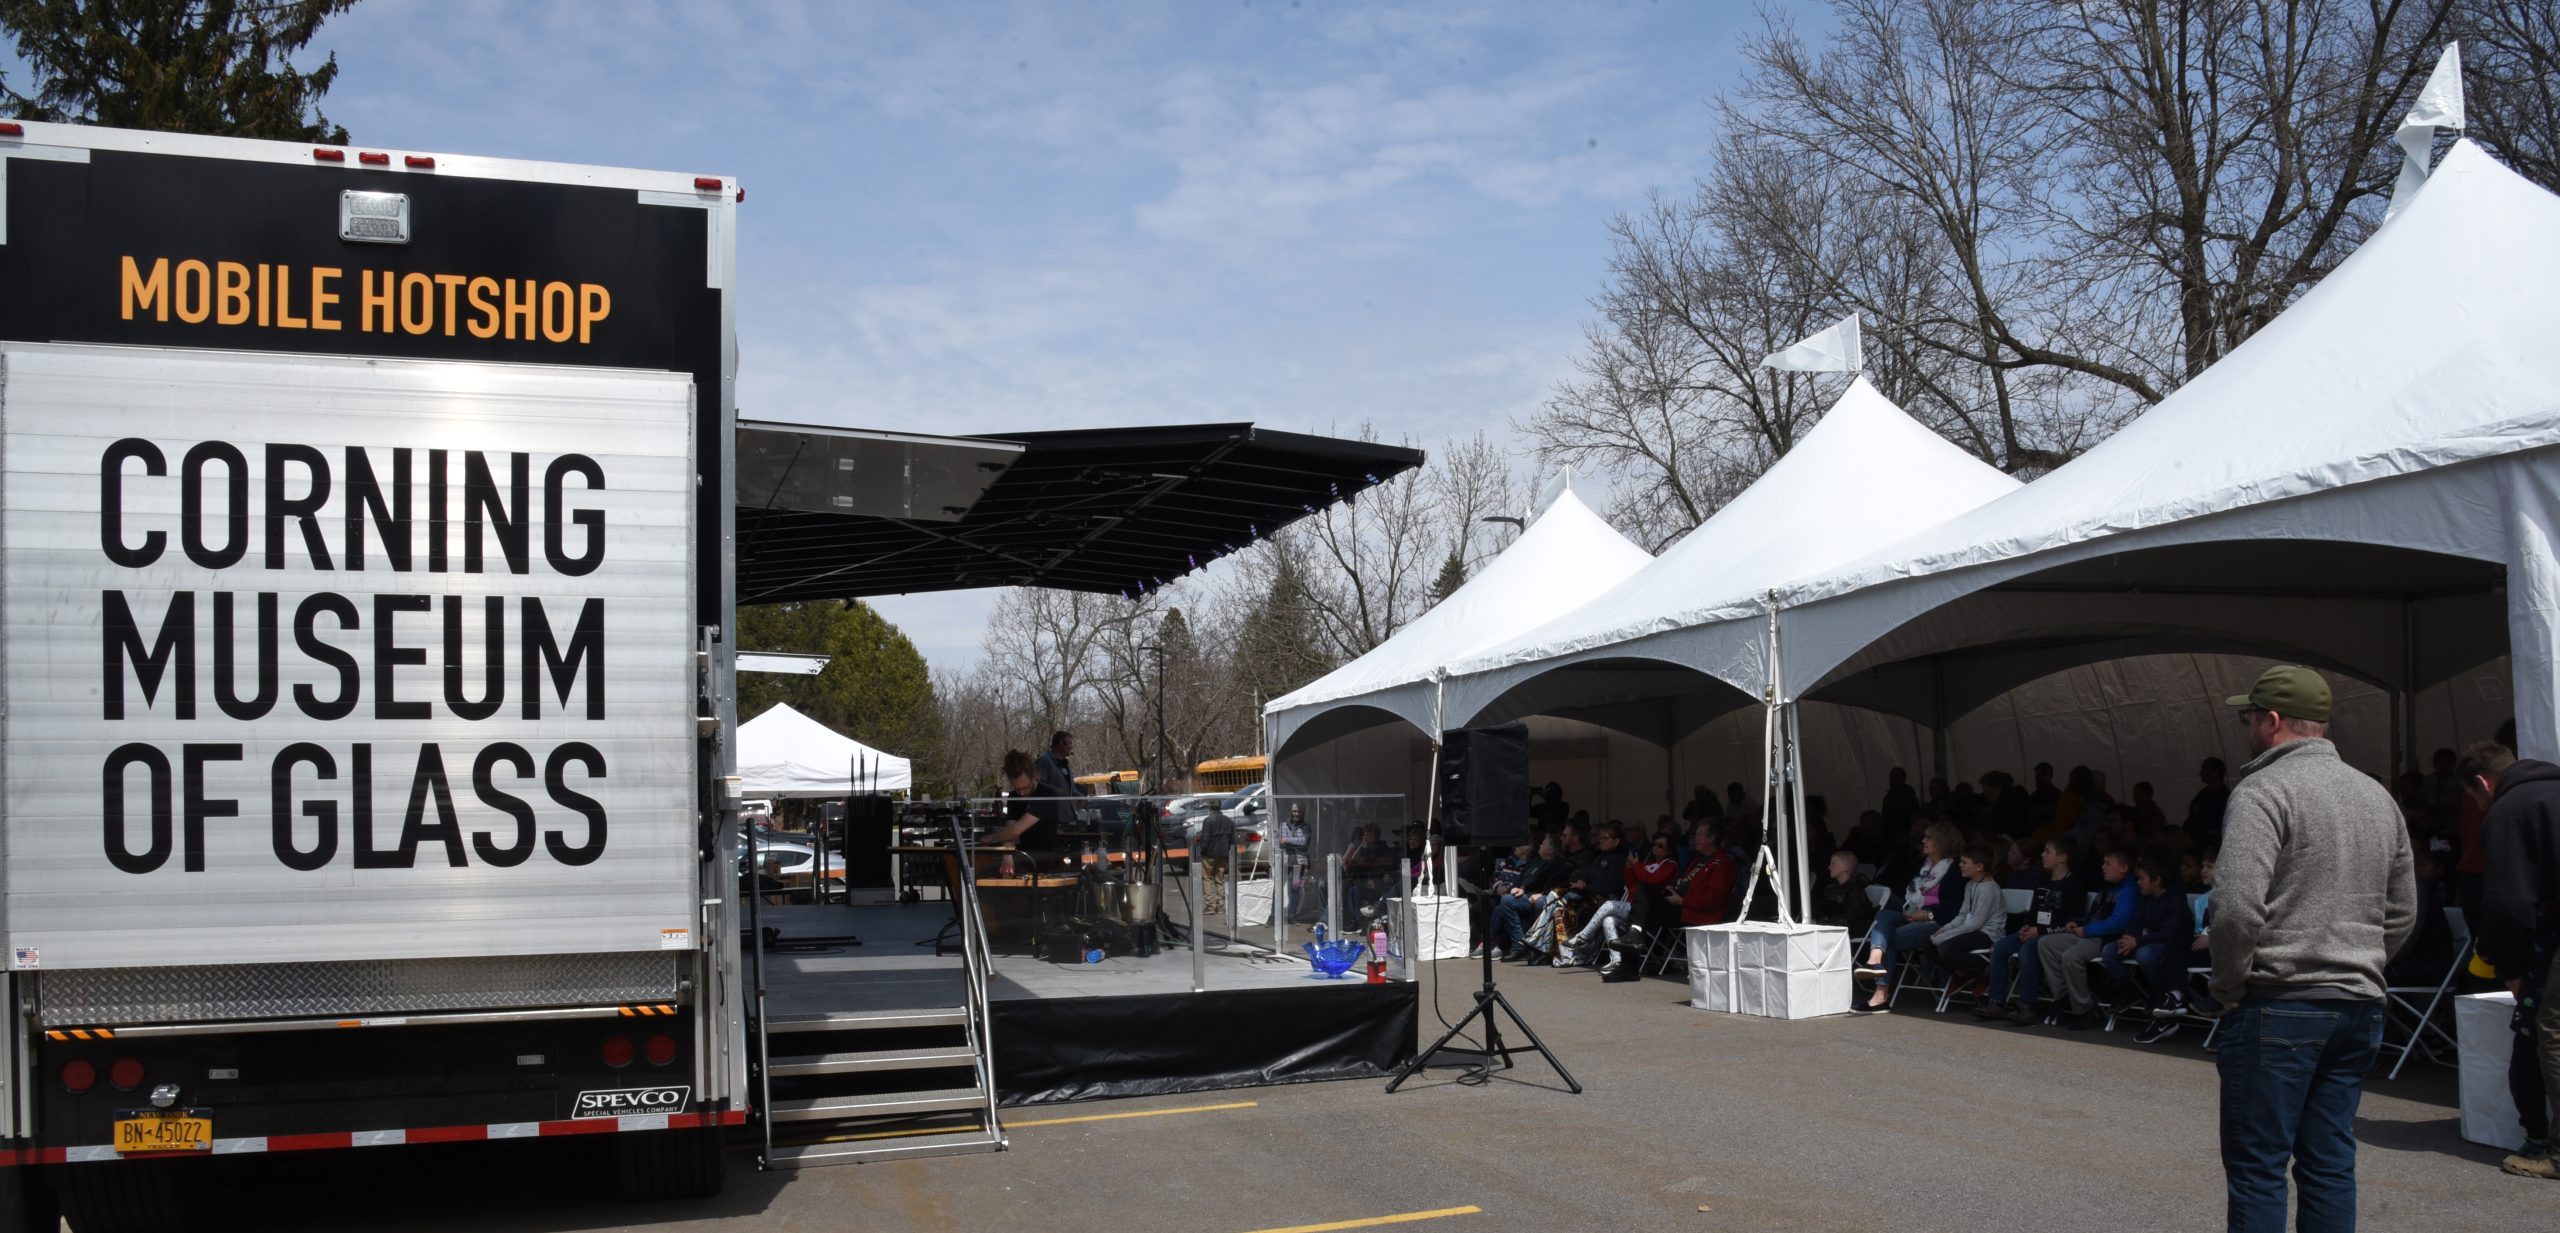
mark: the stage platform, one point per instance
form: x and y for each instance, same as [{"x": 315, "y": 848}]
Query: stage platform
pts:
[{"x": 1126, "y": 1026}]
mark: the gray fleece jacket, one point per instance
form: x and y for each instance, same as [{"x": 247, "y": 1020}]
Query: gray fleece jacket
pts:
[{"x": 2316, "y": 887}]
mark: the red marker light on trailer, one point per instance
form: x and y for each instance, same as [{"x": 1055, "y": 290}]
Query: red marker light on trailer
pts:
[
  {"x": 421, "y": 162},
  {"x": 374, "y": 158},
  {"x": 11, "y": 128},
  {"x": 708, "y": 183},
  {"x": 125, "y": 1074},
  {"x": 617, "y": 1051},
  {"x": 327, "y": 155},
  {"x": 742, "y": 196},
  {"x": 78, "y": 1077},
  {"x": 661, "y": 1050}
]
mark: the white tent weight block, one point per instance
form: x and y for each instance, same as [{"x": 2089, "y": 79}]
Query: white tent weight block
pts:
[
  {"x": 2484, "y": 1040},
  {"x": 1253, "y": 902},
  {"x": 1771, "y": 970},
  {"x": 1439, "y": 924}
]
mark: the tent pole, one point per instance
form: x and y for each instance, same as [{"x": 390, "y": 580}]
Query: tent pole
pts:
[
  {"x": 1938, "y": 717},
  {"x": 1773, "y": 831},
  {"x": 2404, "y": 710},
  {"x": 1801, "y": 873}
]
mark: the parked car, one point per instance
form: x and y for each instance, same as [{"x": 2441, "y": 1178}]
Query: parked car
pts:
[
  {"x": 1248, "y": 807},
  {"x": 788, "y": 865}
]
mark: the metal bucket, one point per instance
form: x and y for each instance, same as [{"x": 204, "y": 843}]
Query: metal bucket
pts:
[{"x": 1131, "y": 903}]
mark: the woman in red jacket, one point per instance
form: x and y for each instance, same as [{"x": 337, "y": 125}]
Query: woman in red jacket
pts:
[{"x": 1706, "y": 886}]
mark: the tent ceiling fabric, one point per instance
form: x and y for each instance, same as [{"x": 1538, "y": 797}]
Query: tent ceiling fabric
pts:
[
  {"x": 1862, "y": 477},
  {"x": 1564, "y": 553},
  {"x": 2404, "y": 406},
  {"x": 1109, "y": 510}
]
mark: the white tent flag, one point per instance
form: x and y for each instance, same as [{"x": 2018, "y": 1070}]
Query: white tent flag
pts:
[
  {"x": 2439, "y": 105},
  {"x": 1833, "y": 350}
]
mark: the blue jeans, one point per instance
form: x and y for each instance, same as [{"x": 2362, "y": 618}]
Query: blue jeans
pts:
[
  {"x": 2156, "y": 972},
  {"x": 2292, "y": 1075},
  {"x": 1511, "y": 915},
  {"x": 1893, "y": 935},
  {"x": 2012, "y": 949}
]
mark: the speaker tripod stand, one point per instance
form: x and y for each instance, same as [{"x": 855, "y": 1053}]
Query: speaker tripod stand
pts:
[{"x": 1489, "y": 1001}]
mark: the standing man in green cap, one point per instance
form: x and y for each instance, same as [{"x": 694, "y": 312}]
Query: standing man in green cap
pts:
[{"x": 2314, "y": 891}]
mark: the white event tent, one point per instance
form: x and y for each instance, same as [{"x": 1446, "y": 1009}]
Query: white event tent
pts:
[
  {"x": 785, "y": 754},
  {"x": 2367, "y": 485},
  {"x": 1633, "y": 657},
  {"x": 1566, "y": 550}
]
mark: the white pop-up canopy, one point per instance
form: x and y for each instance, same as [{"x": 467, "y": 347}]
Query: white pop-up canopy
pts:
[
  {"x": 1565, "y": 552},
  {"x": 2367, "y": 484},
  {"x": 1631, "y": 657},
  {"x": 783, "y": 753}
]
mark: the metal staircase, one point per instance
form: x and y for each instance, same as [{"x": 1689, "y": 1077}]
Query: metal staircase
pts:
[{"x": 850, "y": 1086}]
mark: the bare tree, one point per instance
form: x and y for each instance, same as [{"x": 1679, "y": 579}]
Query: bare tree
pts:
[
  {"x": 1049, "y": 644},
  {"x": 1366, "y": 564},
  {"x": 2511, "y": 62},
  {"x": 2049, "y": 213},
  {"x": 1472, "y": 480},
  {"x": 2229, "y": 154}
]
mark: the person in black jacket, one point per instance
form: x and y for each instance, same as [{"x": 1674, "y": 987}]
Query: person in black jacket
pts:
[
  {"x": 2519, "y": 925},
  {"x": 1599, "y": 877},
  {"x": 1519, "y": 903},
  {"x": 1840, "y": 898},
  {"x": 2059, "y": 895}
]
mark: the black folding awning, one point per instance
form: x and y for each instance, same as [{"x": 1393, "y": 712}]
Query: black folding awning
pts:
[{"x": 832, "y": 514}]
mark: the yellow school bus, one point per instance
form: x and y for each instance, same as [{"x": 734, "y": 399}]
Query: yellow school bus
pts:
[
  {"x": 1109, "y": 783},
  {"x": 1229, "y": 774}
]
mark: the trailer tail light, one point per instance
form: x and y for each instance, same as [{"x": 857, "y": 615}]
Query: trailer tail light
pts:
[
  {"x": 78, "y": 1077},
  {"x": 374, "y": 158},
  {"x": 328, "y": 155},
  {"x": 11, "y": 128},
  {"x": 420, "y": 161},
  {"x": 125, "y": 1074},
  {"x": 617, "y": 1051},
  {"x": 709, "y": 184},
  {"x": 661, "y": 1050}
]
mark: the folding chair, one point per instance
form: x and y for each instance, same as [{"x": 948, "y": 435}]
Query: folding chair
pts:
[
  {"x": 2399, "y": 1001},
  {"x": 1669, "y": 946}
]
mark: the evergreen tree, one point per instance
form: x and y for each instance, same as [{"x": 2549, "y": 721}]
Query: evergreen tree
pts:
[
  {"x": 1277, "y": 642},
  {"x": 1453, "y": 574},
  {"x": 222, "y": 67},
  {"x": 876, "y": 688}
]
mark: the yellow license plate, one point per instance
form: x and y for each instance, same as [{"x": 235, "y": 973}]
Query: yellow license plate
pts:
[{"x": 173, "y": 1131}]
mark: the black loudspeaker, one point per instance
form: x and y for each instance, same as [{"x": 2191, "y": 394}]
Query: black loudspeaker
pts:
[
  {"x": 1484, "y": 786},
  {"x": 869, "y": 824}
]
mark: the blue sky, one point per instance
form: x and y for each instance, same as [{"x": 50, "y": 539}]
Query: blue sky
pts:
[{"x": 980, "y": 217}]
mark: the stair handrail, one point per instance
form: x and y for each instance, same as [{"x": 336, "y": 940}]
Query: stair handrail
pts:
[
  {"x": 755, "y": 948},
  {"x": 973, "y": 955}
]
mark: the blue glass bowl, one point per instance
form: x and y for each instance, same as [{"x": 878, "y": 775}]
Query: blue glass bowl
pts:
[{"x": 1332, "y": 959}]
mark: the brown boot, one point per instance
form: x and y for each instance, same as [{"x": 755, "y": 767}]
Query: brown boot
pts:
[
  {"x": 2022, "y": 1013},
  {"x": 2545, "y": 1165}
]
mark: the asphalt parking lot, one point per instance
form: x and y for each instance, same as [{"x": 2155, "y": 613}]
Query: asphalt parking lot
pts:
[{"x": 1691, "y": 1121}]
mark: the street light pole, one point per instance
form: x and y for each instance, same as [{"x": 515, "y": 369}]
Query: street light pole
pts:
[{"x": 1158, "y": 649}]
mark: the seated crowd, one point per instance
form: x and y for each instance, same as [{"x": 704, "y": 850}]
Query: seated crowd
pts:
[{"x": 2041, "y": 900}]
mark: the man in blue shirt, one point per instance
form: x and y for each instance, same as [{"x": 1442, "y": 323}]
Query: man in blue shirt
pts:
[{"x": 2064, "y": 954}]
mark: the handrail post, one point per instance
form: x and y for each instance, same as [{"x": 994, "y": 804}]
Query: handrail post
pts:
[{"x": 1199, "y": 925}]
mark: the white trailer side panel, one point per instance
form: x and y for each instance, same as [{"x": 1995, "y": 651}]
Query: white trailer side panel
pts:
[{"x": 244, "y": 837}]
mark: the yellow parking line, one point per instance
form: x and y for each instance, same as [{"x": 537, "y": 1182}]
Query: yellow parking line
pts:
[
  {"x": 1369, "y": 1222},
  {"x": 1113, "y": 1117},
  {"x": 1050, "y": 1121}
]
